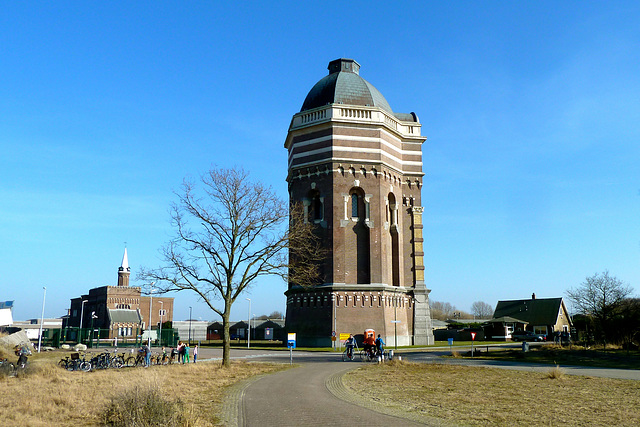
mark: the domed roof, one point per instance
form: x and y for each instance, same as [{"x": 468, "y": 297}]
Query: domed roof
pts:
[{"x": 344, "y": 85}]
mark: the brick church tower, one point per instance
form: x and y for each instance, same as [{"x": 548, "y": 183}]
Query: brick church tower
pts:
[{"x": 357, "y": 168}]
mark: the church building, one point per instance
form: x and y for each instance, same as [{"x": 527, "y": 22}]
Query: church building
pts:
[
  {"x": 120, "y": 309},
  {"x": 356, "y": 166}
]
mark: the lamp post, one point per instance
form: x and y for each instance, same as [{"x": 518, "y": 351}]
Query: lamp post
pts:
[
  {"x": 249, "y": 324},
  {"x": 150, "y": 305},
  {"x": 190, "y": 309},
  {"x": 81, "y": 317},
  {"x": 161, "y": 313},
  {"x": 42, "y": 318},
  {"x": 93, "y": 316}
]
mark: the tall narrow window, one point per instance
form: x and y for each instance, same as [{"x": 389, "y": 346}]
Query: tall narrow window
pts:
[
  {"x": 317, "y": 207},
  {"x": 354, "y": 205}
]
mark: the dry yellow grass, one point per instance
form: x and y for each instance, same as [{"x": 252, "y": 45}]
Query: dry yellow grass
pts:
[
  {"x": 53, "y": 396},
  {"x": 485, "y": 396}
]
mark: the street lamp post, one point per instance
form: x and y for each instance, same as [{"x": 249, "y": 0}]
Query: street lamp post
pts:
[
  {"x": 161, "y": 313},
  {"x": 81, "y": 317},
  {"x": 249, "y": 324},
  {"x": 190, "y": 310},
  {"x": 93, "y": 316},
  {"x": 150, "y": 305},
  {"x": 44, "y": 296}
]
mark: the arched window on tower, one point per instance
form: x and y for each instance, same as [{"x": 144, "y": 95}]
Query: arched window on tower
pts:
[
  {"x": 354, "y": 206},
  {"x": 315, "y": 206},
  {"x": 395, "y": 244},
  {"x": 358, "y": 241}
]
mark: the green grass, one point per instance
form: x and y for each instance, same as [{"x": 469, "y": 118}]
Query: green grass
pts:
[{"x": 556, "y": 355}]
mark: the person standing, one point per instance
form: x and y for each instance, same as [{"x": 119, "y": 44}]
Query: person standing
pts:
[
  {"x": 195, "y": 353},
  {"x": 180, "y": 352},
  {"x": 380, "y": 345},
  {"x": 147, "y": 356},
  {"x": 186, "y": 353}
]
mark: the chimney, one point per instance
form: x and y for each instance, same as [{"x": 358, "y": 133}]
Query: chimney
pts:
[{"x": 533, "y": 295}]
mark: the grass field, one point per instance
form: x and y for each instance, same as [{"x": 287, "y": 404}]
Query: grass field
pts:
[
  {"x": 486, "y": 396},
  {"x": 49, "y": 395},
  {"x": 558, "y": 355}
]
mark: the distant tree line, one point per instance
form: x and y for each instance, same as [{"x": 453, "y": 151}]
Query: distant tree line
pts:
[
  {"x": 274, "y": 315},
  {"x": 446, "y": 311}
]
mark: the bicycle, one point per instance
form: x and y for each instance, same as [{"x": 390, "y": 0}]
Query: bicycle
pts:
[
  {"x": 7, "y": 368},
  {"x": 137, "y": 360},
  {"x": 373, "y": 355},
  {"x": 350, "y": 353},
  {"x": 75, "y": 363}
]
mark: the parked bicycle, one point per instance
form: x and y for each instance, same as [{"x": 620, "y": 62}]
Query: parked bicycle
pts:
[
  {"x": 75, "y": 363},
  {"x": 137, "y": 360},
  {"x": 7, "y": 368}
]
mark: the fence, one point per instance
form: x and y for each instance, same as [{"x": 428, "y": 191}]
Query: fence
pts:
[{"x": 101, "y": 337}]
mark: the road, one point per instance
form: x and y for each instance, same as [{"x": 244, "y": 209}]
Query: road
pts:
[{"x": 430, "y": 355}]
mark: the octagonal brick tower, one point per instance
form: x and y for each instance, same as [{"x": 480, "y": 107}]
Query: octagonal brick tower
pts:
[{"x": 357, "y": 168}]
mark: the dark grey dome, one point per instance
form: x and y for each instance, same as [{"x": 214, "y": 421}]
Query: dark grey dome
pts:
[{"x": 344, "y": 85}]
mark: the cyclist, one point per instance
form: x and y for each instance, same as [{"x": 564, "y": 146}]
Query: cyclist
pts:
[
  {"x": 369, "y": 342},
  {"x": 350, "y": 344}
]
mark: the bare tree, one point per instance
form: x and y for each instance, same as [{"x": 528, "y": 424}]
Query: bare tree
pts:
[
  {"x": 229, "y": 231},
  {"x": 600, "y": 297},
  {"x": 482, "y": 310},
  {"x": 445, "y": 311}
]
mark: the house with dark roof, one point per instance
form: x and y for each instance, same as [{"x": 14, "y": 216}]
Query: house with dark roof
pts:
[
  {"x": 270, "y": 329},
  {"x": 540, "y": 315}
]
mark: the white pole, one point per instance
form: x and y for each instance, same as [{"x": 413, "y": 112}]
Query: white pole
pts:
[
  {"x": 81, "y": 316},
  {"x": 249, "y": 323},
  {"x": 161, "y": 312},
  {"x": 44, "y": 297}
]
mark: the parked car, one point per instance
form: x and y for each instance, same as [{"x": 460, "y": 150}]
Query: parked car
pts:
[{"x": 528, "y": 336}]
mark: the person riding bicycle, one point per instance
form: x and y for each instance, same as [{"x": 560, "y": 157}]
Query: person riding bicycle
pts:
[
  {"x": 369, "y": 342},
  {"x": 350, "y": 343},
  {"x": 380, "y": 345}
]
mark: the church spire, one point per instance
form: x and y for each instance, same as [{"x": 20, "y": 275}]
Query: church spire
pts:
[
  {"x": 124, "y": 271},
  {"x": 125, "y": 261}
]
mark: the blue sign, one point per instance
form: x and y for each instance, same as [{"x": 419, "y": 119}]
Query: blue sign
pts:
[
  {"x": 291, "y": 344},
  {"x": 450, "y": 341}
]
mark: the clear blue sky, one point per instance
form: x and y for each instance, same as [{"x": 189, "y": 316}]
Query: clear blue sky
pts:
[{"x": 531, "y": 110}]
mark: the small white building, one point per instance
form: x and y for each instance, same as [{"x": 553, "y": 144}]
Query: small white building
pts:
[{"x": 197, "y": 329}]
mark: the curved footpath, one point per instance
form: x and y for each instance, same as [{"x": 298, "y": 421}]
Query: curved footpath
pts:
[{"x": 309, "y": 395}]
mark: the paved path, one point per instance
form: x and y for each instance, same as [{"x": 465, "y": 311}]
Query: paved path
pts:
[{"x": 309, "y": 395}]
